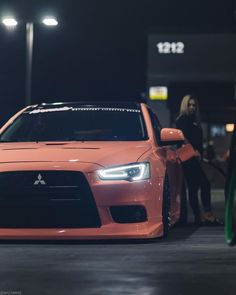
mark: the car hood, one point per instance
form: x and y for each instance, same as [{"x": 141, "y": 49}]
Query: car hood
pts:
[{"x": 101, "y": 153}]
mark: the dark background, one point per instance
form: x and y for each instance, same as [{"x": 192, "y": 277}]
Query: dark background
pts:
[
  {"x": 99, "y": 49},
  {"x": 205, "y": 57},
  {"x": 207, "y": 69}
]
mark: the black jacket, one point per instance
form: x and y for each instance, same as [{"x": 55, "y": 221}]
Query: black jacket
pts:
[{"x": 192, "y": 131}]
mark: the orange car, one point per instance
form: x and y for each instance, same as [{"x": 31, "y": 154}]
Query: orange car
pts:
[{"x": 88, "y": 171}]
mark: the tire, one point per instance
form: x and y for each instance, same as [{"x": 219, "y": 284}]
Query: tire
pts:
[
  {"x": 183, "y": 219},
  {"x": 166, "y": 217}
]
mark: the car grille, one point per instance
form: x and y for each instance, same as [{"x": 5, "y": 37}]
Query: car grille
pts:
[{"x": 46, "y": 199}]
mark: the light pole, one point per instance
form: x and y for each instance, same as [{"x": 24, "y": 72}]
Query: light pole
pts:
[
  {"x": 29, "y": 60},
  {"x": 12, "y": 23}
]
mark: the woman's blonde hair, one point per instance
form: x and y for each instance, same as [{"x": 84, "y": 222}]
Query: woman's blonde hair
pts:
[{"x": 184, "y": 106}]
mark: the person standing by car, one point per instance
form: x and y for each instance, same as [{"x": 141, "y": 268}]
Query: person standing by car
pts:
[{"x": 188, "y": 121}]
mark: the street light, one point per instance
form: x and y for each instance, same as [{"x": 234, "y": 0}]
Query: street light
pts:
[
  {"x": 12, "y": 23},
  {"x": 48, "y": 21},
  {"x": 9, "y": 22}
]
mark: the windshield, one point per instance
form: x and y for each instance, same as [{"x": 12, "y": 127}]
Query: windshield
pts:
[{"x": 79, "y": 124}]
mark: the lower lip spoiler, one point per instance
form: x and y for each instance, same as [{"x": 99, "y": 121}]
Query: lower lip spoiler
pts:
[{"x": 111, "y": 231}]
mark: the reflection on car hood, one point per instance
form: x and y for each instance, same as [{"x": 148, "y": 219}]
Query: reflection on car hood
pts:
[{"x": 101, "y": 153}]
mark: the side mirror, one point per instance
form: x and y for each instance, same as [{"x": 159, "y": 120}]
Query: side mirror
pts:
[{"x": 171, "y": 136}]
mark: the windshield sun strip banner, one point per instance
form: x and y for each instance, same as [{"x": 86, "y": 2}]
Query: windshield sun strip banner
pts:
[{"x": 74, "y": 109}]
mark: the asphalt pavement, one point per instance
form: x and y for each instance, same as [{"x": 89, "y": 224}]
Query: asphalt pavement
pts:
[{"x": 191, "y": 260}]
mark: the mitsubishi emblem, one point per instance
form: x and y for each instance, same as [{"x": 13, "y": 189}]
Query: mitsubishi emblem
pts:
[{"x": 39, "y": 180}]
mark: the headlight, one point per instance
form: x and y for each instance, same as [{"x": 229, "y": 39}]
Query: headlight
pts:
[{"x": 132, "y": 172}]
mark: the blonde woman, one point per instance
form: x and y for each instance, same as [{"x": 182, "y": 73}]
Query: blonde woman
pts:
[{"x": 188, "y": 121}]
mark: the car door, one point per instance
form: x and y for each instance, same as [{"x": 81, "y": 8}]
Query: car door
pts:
[{"x": 173, "y": 168}]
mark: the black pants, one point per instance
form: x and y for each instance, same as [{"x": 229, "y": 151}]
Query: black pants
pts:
[{"x": 196, "y": 179}]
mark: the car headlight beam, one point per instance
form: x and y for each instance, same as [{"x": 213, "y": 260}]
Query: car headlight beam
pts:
[{"x": 132, "y": 172}]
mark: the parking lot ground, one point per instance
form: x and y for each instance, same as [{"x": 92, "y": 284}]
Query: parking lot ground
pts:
[{"x": 191, "y": 260}]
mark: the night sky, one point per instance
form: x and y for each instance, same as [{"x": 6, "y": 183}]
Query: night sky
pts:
[{"x": 99, "y": 49}]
